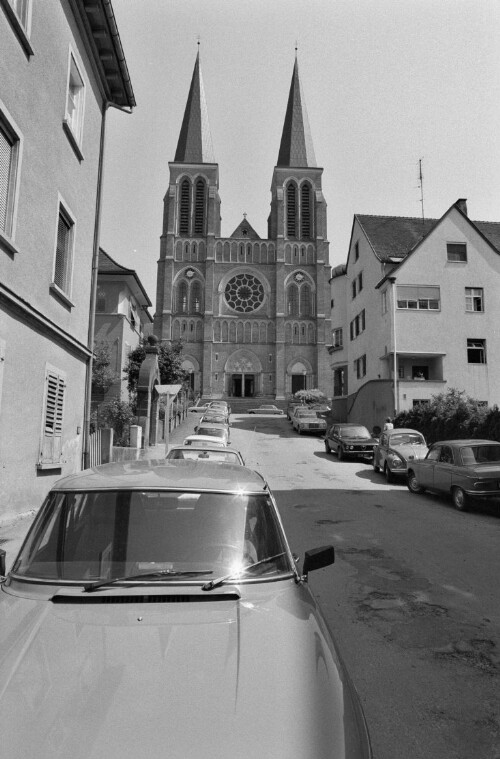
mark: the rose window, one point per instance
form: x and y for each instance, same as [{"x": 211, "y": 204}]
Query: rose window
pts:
[{"x": 244, "y": 293}]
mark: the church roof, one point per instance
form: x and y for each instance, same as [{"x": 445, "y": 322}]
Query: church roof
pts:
[
  {"x": 195, "y": 139},
  {"x": 296, "y": 148},
  {"x": 245, "y": 231}
]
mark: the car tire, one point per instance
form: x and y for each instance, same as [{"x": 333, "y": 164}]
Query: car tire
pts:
[
  {"x": 412, "y": 484},
  {"x": 389, "y": 477},
  {"x": 340, "y": 453},
  {"x": 460, "y": 499}
]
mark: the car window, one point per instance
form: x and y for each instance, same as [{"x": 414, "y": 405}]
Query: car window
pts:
[
  {"x": 358, "y": 432},
  {"x": 446, "y": 455},
  {"x": 101, "y": 535},
  {"x": 212, "y": 431},
  {"x": 480, "y": 454},
  {"x": 195, "y": 454},
  {"x": 434, "y": 453}
]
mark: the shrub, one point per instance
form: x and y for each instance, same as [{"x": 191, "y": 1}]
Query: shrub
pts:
[{"x": 115, "y": 414}]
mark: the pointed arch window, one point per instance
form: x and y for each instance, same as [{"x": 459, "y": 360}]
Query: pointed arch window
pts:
[
  {"x": 306, "y": 212},
  {"x": 291, "y": 210},
  {"x": 199, "y": 208},
  {"x": 184, "y": 207},
  {"x": 305, "y": 301},
  {"x": 293, "y": 300},
  {"x": 195, "y": 299},
  {"x": 182, "y": 297}
]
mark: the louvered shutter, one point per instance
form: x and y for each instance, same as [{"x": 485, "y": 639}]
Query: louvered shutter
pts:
[
  {"x": 53, "y": 422},
  {"x": 5, "y": 172}
]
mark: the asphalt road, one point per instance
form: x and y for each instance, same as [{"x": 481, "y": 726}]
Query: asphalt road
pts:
[{"x": 413, "y": 598}]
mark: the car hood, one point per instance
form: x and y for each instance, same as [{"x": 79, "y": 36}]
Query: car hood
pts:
[
  {"x": 358, "y": 440},
  {"x": 211, "y": 676},
  {"x": 408, "y": 451}
]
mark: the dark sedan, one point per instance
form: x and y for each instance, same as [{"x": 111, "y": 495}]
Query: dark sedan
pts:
[
  {"x": 350, "y": 440},
  {"x": 464, "y": 469}
]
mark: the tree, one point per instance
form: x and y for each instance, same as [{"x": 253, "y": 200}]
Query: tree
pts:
[
  {"x": 169, "y": 362},
  {"x": 103, "y": 375},
  {"x": 310, "y": 396}
]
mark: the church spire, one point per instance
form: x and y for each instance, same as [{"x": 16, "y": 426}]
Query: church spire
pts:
[
  {"x": 195, "y": 139},
  {"x": 296, "y": 147}
]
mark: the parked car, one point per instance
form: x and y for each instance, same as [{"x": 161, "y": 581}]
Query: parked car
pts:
[
  {"x": 213, "y": 430},
  {"x": 204, "y": 441},
  {"x": 216, "y": 453},
  {"x": 199, "y": 408},
  {"x": 220, "y": 405},
  {"x": 350, "y": 440},
  {"x": 463, "y": 469},
  {"x": 266, "y": 409},
  {"x": 305, "y": 419},
  {"x": 292, "y": 405},
  {"x": 216, "y": 417},
  {"x": 156, "y": 609},
  {"x": 395, "y": 449}
]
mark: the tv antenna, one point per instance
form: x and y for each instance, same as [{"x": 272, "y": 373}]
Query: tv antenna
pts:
[{"x": 421, "y": 185}]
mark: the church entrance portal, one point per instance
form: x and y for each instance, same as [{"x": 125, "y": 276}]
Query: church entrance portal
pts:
[{"x": 242, "y": 385}]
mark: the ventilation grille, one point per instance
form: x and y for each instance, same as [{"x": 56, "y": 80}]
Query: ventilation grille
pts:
[{"x": 145, "y": 599}]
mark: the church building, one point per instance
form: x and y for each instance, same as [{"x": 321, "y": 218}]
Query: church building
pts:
[{"x": 253, "y": 314}]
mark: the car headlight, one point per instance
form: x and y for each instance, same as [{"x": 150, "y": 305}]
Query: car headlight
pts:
[{"x": 396, "y": 461}]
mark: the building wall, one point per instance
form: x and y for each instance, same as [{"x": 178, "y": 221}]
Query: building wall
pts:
[{"x": 38, "y": 323}]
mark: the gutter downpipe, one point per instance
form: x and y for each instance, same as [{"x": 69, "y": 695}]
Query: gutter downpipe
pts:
[
  {"x": 392, "y": 280},
  {"x": 93, "y": 294}
]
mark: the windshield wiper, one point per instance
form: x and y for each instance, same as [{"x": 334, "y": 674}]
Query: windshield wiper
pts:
[
  {"x": 159, "y": 573},
  {"x": 218, "y": 581}
]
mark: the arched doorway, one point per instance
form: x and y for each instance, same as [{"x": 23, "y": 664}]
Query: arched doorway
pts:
[
  {"x": 243, "y": 375},
  {"x": 297, "y": 378}
]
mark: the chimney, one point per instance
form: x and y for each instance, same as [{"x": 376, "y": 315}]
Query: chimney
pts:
[{"x": 461, "y": 204}]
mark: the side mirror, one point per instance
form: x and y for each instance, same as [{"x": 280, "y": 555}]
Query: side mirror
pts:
[
  {"x": 318, "y": 558},
  {"x": 2, "y": 562}
]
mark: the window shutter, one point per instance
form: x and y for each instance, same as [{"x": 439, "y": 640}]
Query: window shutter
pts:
[
  {"x": 5, "y": 171},
  {"x": 62, "y": 253},
  {"x": 53, "y": 420}
]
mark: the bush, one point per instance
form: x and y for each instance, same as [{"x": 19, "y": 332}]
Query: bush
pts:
[
  {"x": 115, "y": 414},
  {"x": 310, "y": 396},
  {"x": 452, "y": 415}
]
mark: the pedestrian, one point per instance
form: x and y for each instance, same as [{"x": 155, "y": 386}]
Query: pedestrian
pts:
[{"x": 388, "y": 424}]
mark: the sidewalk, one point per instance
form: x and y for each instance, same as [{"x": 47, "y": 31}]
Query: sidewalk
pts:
[{"x": 12, "y": 532}]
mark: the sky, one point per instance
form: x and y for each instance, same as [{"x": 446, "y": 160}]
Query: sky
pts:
[{"x": 387, "y": 84}]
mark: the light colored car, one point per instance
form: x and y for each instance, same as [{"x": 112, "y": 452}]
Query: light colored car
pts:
[
  {"x": 218, "y": 417},
  {"x": 266, "y": 409},
  {"x": 199, "y": 408},
  {"x": 212, "y": 429},
  {"x": 305, "y": 419},
  {"x": 204, "y": 441},
  {"x": 462, "y": 469},
  {"x": 217, "y": 453},
  {"x": 395, "y": 449},
  {"x": 350, "y": 440},
  {"x": 156, "y": 609}
]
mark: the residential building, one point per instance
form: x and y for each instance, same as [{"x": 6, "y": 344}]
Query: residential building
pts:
[
  {"x": 121, "y": 319},
  {"x": 61, "y": 67},
  {"x": 254, "y": 313},
  {"x": 415, "y": 312}
]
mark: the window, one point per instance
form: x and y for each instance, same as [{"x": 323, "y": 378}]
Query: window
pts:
[
  {"x": 384, "y": 302},
  {"x": 9, "y": 158},
  {"x": 456, "y": 251},
  {"x": 199, "y": 208},
  {"x": 100, "y": 305},
  {"x": 360, "y": 367},
  {"x": 293, "y": 300},
  {"x": 64, "y": 251},
  {"x": 19, "y": 14},
  {"x": 418, "y": 297},
  {"x": 182, "y": 297},
  {"x": 21, "y": 8},
  {"x": 353, "y": 289},
  {"x": 52, "y": 423},
  {"x": 474, "y": 299},
  {"x": 476, "y": 351},
  {"x": 337, "y": 337},
  {"x": 75, "y": 101},
  {"x": 339, "y": 387},
  {"x": 360, "y": 281},
  {"x": 305, "y": 216},
  {"x": 184, "y": 207},
  {"x": 356, "y": 251},
  {"x": 358, "y": 324},
  {"x": 291, "y": 210},
  {"x": 420, "y": 402}
]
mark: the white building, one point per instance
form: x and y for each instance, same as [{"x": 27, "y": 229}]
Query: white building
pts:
[{"x": 415, "y": 311}]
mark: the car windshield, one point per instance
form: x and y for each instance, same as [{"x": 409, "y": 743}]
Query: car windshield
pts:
[
  {"x": 89, "y": 537},
  {"x": 354, "y": 432},
  {"x": 480, "y": 454},
  {"x": 407, "y": 438},
  {"x": 211, "y": 431},
  {"x": 229, "y": 457},
  {"x": 306, "y": 412}
]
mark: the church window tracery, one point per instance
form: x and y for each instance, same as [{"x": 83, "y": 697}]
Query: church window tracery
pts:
[{"x": 244, "y": 293}]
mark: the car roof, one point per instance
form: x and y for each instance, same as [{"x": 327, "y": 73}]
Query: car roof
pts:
[
  {"x": 215, "y": 449},
  {"x": 400, "y": 429},
  {"x": 203, "y": 438},
  {"x": 160, "y": 474},
  {"x": 466, "y": 441}
]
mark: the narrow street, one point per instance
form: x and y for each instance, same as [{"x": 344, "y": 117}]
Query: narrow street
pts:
[{"x": 413, "y": 598}]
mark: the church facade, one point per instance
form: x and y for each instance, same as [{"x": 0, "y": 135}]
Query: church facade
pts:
[{"x": 253, "y": 314}]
